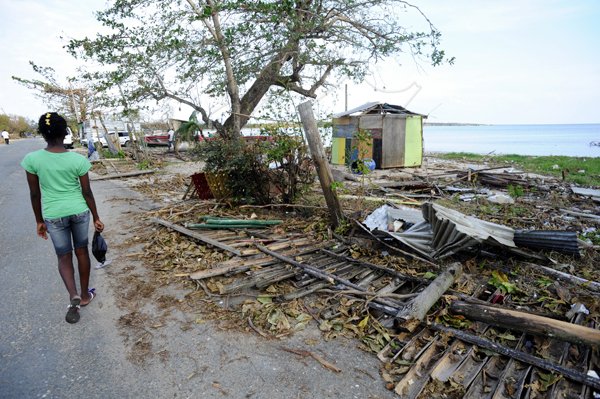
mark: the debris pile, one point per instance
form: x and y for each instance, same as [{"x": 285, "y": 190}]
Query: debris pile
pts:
[{"x": 456, "y": 298}]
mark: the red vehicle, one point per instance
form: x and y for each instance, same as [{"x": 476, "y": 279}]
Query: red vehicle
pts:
[
  {"x": 157, "y": 139},
  {"x": 163, "y": 139}
]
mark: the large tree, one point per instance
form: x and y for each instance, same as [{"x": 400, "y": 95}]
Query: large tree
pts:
[
  {"x": 244, "y": 51},
  {"x": 70, "y": 98}
]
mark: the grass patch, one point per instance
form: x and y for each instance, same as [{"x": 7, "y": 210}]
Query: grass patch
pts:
[
  {"x": 107, "y": 154},
  {"x": 583, "y": 171}
]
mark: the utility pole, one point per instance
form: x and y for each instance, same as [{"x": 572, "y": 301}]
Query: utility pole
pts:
[
  {"x": 317, "y": 152},
  {"x": 346, "y": 96}
]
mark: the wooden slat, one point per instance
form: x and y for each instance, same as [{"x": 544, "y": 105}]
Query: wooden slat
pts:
[
  {"x": 519, "y": 355},
  {"x": 196, "y": 236}
]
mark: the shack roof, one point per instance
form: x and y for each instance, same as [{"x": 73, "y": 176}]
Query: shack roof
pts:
[{"x": 378, "y": 108}]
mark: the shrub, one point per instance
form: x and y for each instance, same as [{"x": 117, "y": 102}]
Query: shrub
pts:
[
  {"x": 291, "y": 168},
  {"x": 241, "y": 161},
  {"x": 260, "y": 170}
]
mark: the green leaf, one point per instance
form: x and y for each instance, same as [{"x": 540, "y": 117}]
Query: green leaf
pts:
[
  {"x": 264, "y": 299},
  {"x": 429, "y": 275}
]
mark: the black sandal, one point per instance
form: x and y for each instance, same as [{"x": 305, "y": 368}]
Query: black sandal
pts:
[{"x": 73, "y": 311}]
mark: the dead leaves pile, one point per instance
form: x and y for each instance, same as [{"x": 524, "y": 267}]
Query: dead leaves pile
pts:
[{"x": 161, "y": 188}]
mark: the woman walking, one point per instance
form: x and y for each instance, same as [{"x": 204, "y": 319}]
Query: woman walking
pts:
[{"x": 62, "y": 201}]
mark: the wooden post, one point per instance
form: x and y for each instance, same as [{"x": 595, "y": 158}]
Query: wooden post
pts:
[
  {"x": 414, "y": 313},
  {"x": 527, "y": 322},
  {"x": 318, "y": 155}
]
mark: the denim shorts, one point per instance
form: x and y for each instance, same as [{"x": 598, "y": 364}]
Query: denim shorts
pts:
[{"x": 61, "y": 231}]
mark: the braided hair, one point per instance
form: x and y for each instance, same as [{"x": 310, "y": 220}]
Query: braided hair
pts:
[{"x": 52, "y": 126}]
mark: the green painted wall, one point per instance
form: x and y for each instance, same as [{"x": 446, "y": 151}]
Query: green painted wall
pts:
[{"x": 413, "y": 145}]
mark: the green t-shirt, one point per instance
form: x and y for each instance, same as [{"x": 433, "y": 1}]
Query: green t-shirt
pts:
[{"x": 58, "y": 174}]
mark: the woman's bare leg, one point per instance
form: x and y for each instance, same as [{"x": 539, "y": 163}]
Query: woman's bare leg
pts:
[
  {"x": 83, "y": 264},
  {"x": 65, "y": 268}
]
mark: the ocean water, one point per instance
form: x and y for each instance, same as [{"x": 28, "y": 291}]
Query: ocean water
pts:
[{"x": 570, "y": 140}]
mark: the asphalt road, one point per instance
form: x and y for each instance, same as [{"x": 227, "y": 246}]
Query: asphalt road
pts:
[{"x": 42, "y": 356}]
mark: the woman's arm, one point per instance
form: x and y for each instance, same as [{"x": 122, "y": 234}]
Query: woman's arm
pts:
[
  {"x": 36, "y": 203},
  {"x": 86, "y": 190}
]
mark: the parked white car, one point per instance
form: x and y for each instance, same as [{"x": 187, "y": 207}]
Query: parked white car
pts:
[
  {"x": 68, "y": 141},
  {"x": 124, "y": 139}
]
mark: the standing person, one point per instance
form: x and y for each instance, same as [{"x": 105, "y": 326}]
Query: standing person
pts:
[
  {"x": 171, "y": 136},
  {"x": 6, "y": 137},
  {"x": 62, "y": 201}
]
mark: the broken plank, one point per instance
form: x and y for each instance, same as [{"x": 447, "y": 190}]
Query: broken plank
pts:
[
  {"x": 527, "y": 322},
  {"x": 413, "y": 382},
  {"x": 450, "y": 361},
  {"x": 512, "y": 380},
  {"x": 486, "y": 382},
  {"x": 518, "y": 355},
  {"x": 120, "y": 175},
  {"x": 469, "y": 368},
  {"x": 281, "y": 245},
  {"x": 313, "y": 271},
  {"x": 373, "y": 266},
  {"x": 196, "y": 235},
  {"x": 593, "y": 285},
  {"x": 219, "y": 271},
  {"x": 252, "y": 277},
  {"x": 513, "y": 377},
  {"x": 581, "y": 214},
  {"x": 379, "y": 199}
]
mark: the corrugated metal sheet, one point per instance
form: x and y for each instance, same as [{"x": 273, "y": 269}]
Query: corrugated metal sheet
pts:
[
  {"x": 560, "y": 241},
  {"x": 446, "y": 232},
  {"x": 379, "y": 108}
]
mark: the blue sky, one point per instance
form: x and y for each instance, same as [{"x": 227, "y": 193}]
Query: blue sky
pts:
[{"x": 535, "y": 61}]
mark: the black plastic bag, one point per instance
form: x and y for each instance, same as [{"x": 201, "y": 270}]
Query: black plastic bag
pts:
[{"x": 99, "y": 247}]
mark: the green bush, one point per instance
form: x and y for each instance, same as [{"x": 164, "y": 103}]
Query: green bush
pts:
[
  {"x": 242, "y": 162},
  {"x": 293, "y": 168},
  {"x": 246, "y": 163},
  {"x": 107, "y": 154}
]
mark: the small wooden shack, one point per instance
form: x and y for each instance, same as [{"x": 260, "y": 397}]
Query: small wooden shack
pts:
[{"x": 396, "y": 136}]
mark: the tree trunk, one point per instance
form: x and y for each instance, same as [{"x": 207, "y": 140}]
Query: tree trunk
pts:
[
  {"x": 109, "y": 143},
  {"x": 530, "y": 323},
  {"x": 415, "y": 311},
  {"x": 318, "y": 155},
  {"x": 257, "y": 91}
]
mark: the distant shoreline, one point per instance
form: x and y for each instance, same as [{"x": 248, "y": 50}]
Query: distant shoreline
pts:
[
  {"x": 505, "y": 124},
  {"x": 453, "y": 124}
]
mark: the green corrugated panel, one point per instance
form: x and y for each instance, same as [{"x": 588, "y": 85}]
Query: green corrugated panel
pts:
[
  {"x": 338, "y": 150},
  {"x": 413, "y": 145}
]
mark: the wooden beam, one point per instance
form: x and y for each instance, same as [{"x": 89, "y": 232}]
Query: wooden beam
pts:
[
  {"x": 527, "y": 322},
  {"x": 196, "y": 236},
  {"x": 518, "y": 355},
  {"x": 318, "y": 155},
  {"x": 119, "y": 175},
  {"x": 592, "y": 285},
  {"x": 416, "y": 310}
]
